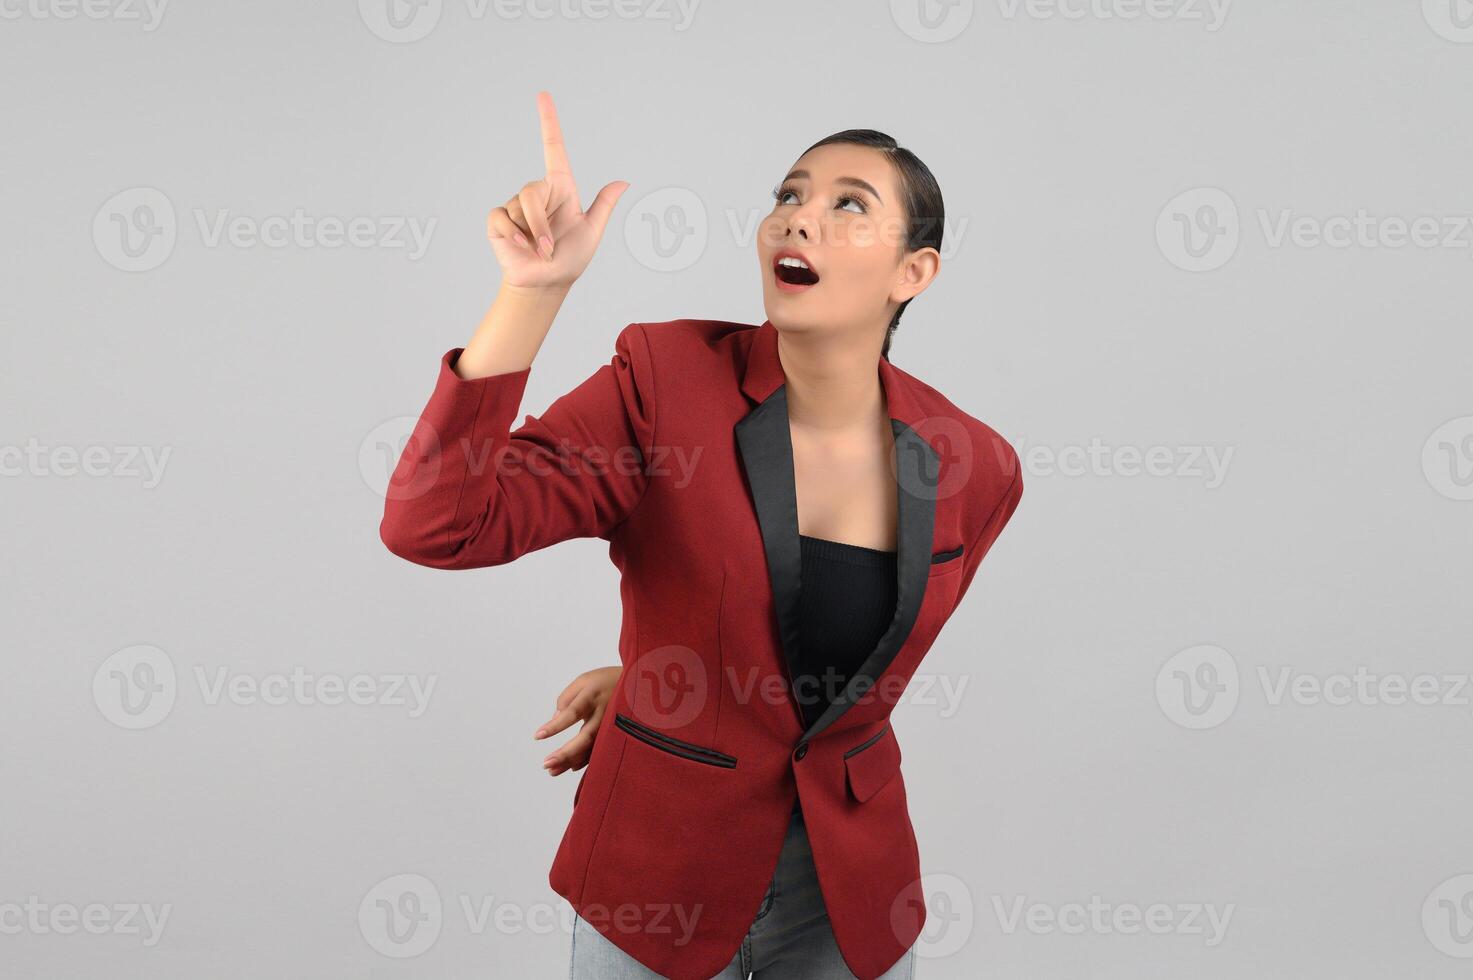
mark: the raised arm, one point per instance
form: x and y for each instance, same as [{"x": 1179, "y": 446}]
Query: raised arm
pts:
[{"x": 469, "y": 492}]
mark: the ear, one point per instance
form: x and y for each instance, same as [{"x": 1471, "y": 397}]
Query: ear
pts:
[{"x": 917, "y": 270}]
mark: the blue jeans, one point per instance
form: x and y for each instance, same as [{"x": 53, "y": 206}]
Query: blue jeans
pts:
[{"x": 789, "y": 940}]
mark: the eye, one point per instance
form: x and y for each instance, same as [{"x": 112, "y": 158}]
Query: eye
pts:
[{"x": 780, "y": 193}]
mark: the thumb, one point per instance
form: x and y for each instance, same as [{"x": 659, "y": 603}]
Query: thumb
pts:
[{"x": 602, "y": 207}]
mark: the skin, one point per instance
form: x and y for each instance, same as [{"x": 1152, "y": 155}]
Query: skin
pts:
[
  {"x": 536, "y": 279},
  {"x": 830, "y": 335},
  {"x": 829, "y": 340}
]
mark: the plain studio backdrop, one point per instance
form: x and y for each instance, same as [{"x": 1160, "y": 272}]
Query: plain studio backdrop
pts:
[{"x": 1204, "y": 712}]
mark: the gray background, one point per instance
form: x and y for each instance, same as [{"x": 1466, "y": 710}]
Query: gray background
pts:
[{"x": 1337, "y": 541}]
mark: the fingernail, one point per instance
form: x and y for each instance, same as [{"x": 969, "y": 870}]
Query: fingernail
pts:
[
  {"x": 540, "y": 732},
  {"x": 520, "y": 239},
  {"x": 546, "y": 246}
]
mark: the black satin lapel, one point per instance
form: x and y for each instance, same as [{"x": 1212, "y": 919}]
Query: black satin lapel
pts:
[
  {"x": 918, "y": 468},
  {"x": 766, "y": 446}
]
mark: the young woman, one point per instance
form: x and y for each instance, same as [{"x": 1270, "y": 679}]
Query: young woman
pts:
[{"x": 793, "y": 518}]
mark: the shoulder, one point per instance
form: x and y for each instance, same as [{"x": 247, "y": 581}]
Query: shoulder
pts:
[
  {"x": 689, "y": 337},
  {"x": 988, "y": 461},
  {"x": 687, "y": 356}
]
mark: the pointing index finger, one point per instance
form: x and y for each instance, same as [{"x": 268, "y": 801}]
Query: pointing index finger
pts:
[{"x": 554, "y": 152}]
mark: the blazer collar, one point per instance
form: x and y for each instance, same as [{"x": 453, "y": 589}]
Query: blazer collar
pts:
[
  {"x": 764, "y": 373},
  {"x": 766, "y": 447}
]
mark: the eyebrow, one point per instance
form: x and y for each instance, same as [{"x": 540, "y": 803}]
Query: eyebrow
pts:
[{"x": 851, "y": 181}]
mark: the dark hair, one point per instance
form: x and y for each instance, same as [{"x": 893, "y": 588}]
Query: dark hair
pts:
[{"x": 920, "y": 197}]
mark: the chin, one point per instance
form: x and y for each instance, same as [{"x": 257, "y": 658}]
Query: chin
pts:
[
  {"x": 785, "y": 322},
  {"x": 786, "y": 314},
  {"x": 798, "y": 317}
]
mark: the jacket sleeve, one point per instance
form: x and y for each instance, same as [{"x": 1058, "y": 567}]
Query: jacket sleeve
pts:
[
  {"x": 1001, "y": 514},
  {"x": 468, "y": 493}
]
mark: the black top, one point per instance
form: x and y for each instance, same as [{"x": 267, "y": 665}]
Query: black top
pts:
[{"x": 847, "y": 601}]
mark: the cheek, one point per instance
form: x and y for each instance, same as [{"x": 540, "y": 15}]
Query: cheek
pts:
[
  {"x": 865, "y": 271},
  {"x": 769, "y": 235},
  {"x": 864, "y": 230}
]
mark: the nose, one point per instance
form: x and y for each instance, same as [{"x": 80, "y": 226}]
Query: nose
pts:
[
  {"x": 804, "y": 225},
  {"x": 803, "y": 222}
]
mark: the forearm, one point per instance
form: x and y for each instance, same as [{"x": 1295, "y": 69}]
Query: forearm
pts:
[
  {"x": 512, "y": 331},
  {"x": 474, "y": 488}
]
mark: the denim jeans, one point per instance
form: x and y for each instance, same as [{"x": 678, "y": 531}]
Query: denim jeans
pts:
[{"x": 790, "y": 939}]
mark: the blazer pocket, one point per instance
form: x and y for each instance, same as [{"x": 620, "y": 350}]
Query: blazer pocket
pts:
[
  {"x": 871, "y": 764},
  {"x": 663, "y": 742},
  {"x": 945, "y": 556}
]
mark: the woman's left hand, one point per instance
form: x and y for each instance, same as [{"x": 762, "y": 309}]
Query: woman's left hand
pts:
[{"x": 585, "y": 699}]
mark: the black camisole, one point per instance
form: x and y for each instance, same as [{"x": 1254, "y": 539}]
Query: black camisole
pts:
[{"x": 846, "y": 603}]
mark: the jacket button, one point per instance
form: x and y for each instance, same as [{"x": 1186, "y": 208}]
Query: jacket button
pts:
[{"x": 801, "y": 751}]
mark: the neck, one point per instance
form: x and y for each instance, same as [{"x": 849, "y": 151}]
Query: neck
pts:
[{"x": 833, "y": 382}]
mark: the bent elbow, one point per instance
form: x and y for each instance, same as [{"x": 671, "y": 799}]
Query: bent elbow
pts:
[
  {"x": 413, "y": 543},
  {"x": 438, "y": 547},
  {"x": 403, "y": 543}
]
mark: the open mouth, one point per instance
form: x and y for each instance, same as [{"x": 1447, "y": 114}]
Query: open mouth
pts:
[{"x": 793, "y": 271}]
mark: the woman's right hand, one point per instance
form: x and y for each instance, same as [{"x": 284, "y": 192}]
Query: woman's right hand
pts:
[{"x": 542, "y": 236}]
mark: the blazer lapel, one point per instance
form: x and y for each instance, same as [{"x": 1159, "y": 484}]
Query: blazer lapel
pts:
[
  {"x": 767, "y": 454},
  {"x": 766, "y": 447}
]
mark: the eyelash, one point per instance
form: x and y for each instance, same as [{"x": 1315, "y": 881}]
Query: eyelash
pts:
[{"x": 778, "y": 192}]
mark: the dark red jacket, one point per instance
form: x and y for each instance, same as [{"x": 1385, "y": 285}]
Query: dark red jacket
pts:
[{"x": 678, "y": 454}]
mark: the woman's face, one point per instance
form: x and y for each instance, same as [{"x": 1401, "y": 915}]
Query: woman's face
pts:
[{"x": 839, "y": 211}]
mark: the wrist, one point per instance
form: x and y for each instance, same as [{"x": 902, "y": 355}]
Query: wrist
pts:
[{"x": 536, "y": 293}]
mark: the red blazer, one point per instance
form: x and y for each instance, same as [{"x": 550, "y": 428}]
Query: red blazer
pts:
[{"x": 678, "y": 454}]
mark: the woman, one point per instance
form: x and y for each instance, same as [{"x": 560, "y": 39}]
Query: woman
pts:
[{"x": 793, "y": 519}]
